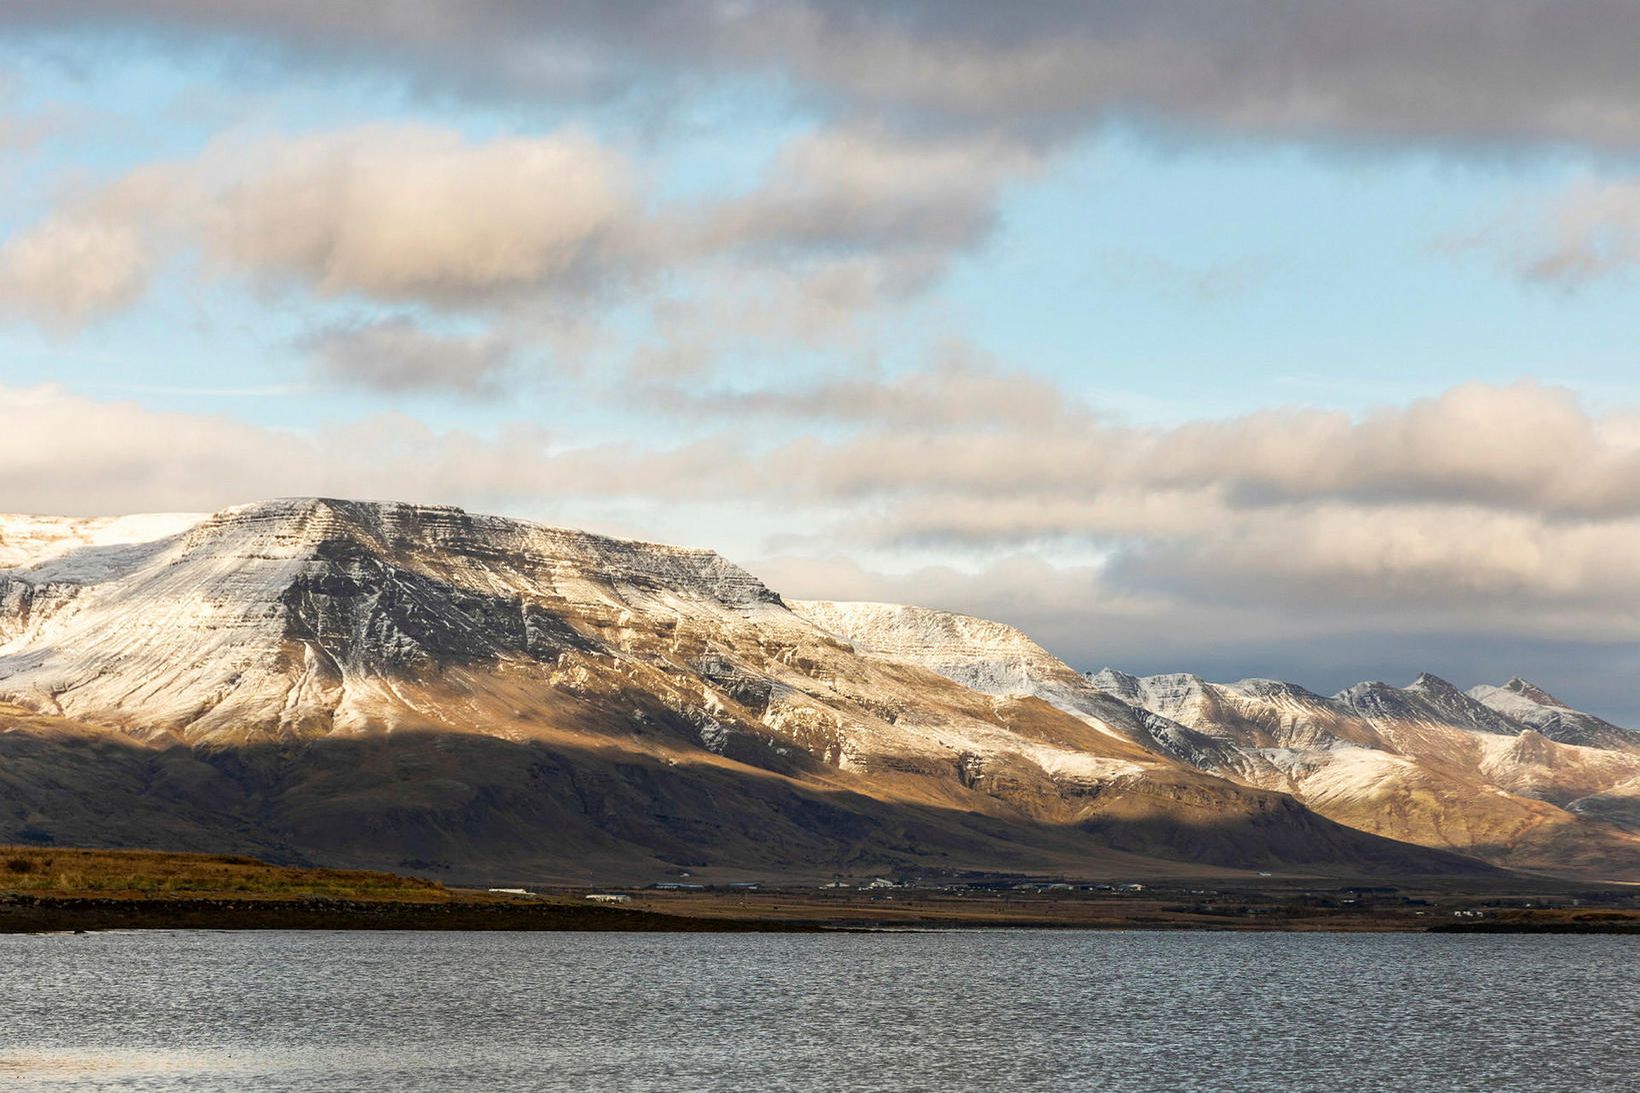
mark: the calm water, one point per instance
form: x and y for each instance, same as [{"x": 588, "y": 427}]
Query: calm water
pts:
[{"x": 937, "y": 1011}]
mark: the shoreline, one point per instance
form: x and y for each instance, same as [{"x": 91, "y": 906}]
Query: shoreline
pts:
[
  {"x": 61, "y": 889},
  {"x": 48, "y": 914}
]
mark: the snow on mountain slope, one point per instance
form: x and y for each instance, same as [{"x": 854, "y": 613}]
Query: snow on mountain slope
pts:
[
  {"x": 278, "y": 638},
  {"x": 283, "y": 615},
  {"x": 28, "y": 540},
  {"x": 1425, "y": 763},
  {"x": 990, "y": 657},
  {"x": 307, "y": 617},
  {"x": 1528, "y": 704},
  {"x": 1428, "y": 700}
]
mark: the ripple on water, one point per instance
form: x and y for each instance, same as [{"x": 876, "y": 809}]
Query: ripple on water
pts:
[{"x": 368, "y": 1011}]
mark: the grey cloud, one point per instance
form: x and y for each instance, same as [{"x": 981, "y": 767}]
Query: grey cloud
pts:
[
  {"x": 858, "y": 189},
  {"x": 397, "y": 354},
  {"x": 1091, "y": 620},
  {"x": 1524, "y": 447},
  {"x": 1492, "y": 71},
  {"x": 962, "y": 390},
  {"x": 1497, "y": 500},
  {"x": 65, "y": 453}
]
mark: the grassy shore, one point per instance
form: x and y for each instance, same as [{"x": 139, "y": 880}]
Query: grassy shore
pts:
[
  {"x": 52, "y": 888},
  {"x": 49, "y": 889}
]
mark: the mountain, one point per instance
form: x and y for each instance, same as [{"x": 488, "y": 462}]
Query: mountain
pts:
[
  {"x": 1530, "y": 705},
  {"x": 357, "y": 683},
  {"x": 1426, "y": 764}
]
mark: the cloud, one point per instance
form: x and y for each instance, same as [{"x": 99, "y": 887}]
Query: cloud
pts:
[
  {"x": 1440, "y": 71},
  {"x": 64, "y": 453},
  {"x": 399, "y": 213},
  {"x": 1342, "y": 582},
  {"x": 1589, "y": 231},
  {"x": 392, "y": 213},
  {"x": 1502, "y": 501},
  {"x": 66, "y": 271},
  {"x": 416, "y": 213},
  {"x": 1091, "y": 621},
  {"x": 397, "y": 354},
  {"x": 960, "y": 390},
  {"x": 859, "y": 190},
  {"x": 1523, "y": 447},
  {"x": 1169, "y": 511},
  {"x": 22, "y": 133},
  {"x": 422, "y": 216}
]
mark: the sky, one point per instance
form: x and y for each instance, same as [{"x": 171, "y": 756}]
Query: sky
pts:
[{"x": 1241, "y": 337}]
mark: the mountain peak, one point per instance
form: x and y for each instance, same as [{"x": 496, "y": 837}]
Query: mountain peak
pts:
[
  {"x": 1430, "y": 683},
  {"x": 1529, "y": 690},
  {"x": 282, "y": 615},
  {"x": 1112, "y": 679}
]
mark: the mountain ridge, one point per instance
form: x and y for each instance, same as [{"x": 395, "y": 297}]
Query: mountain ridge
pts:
[{"x": 371, "y": 682}]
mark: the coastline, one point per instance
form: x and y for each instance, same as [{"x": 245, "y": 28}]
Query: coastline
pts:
[
  {"x": 59, "y": 889},
  {"x": 45, "y": 914},
  {"x": 64, "y": 914}
]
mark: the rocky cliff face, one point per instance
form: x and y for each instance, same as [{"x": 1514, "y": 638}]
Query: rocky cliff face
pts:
[
  {"x": 301, "y": 617},
  {"x": 379, "y": 683}
]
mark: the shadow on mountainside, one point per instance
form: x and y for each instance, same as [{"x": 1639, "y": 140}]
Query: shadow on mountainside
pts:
[{"x": 474, "y": 808}]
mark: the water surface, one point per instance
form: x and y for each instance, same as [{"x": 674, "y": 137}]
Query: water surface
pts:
[{"x": 196, "y": 1010}]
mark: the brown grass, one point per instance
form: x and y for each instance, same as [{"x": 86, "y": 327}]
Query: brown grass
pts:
[{"x": 56, "y": 871}]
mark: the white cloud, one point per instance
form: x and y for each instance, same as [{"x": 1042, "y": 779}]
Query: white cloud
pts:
[
  {"x": 416, "y": 215},
  {"x": 64, "y": 453},
  {"x": 1591, "y": 230},
  {"x": 67, "y": 271},
  {"x": 1171, "y": 509},
  {"x": 1178, "y": 575}
]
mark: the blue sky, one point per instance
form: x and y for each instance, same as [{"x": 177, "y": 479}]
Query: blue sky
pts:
[{"x": 765, "y": 295}]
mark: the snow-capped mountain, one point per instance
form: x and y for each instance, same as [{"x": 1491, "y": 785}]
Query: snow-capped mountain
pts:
[
  {"x": 374, "y": 683},
  {"x": 298, "y": 619},
  {"x": 1528, "y": 704},
  {"x": 379, "y": 682},
  {"x": 1424, "y": 763}
]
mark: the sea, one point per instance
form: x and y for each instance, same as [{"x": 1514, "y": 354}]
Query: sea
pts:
[{"x": 915, "y": 1010}]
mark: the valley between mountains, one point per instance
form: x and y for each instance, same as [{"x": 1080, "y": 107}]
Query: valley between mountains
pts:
[{"x": 416, "y": 687}]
